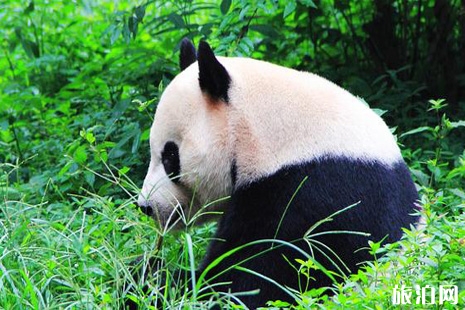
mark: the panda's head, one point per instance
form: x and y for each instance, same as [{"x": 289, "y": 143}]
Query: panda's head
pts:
[{"x": 191, "y": 153}]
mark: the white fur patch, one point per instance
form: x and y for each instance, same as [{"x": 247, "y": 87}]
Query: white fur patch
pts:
[{"x": 280, "y": 116}]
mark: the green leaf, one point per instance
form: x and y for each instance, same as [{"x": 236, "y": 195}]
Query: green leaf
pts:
[
  {"x": 416, "y": 130},
  {"x": 126, "y": 31},
  {"x": 145, "y": 135},
  {"x": 308, "y": 3},
  {"x": 89, "y": 177},
  {"x": 278, "y": 304},
  {"x": 31, "y": 48},
  {"x": 80, "y": 155},
  {"x": 136, "y": 142},
  {"x": 140, "y": 12},
  {"x": 437, "y": 105},
  {"x": 225, "y": 5},
  {"x": 120, "y": 107},
  {"x": 457, "y": 124},
  {"x": 65, "y": 168},
  {"x": 90, "y": 137},
  {"x": 133, "y": 25},
  {"x": 379, "y": 112},
  {"x": 115, "y": 35},
  {"x": 4, "y": 124},
  {"x": 30, "y": 8},
  {"x": 457, "y": 192},
  {"x": 267, "y": 30},
  {"x": 421, "y": 177},
  {"x": 123, "y": 170},
  {"x": 104, "y": 155},
  {"x": 177, "y": 20},
  {"x": 289, "y": 8}
]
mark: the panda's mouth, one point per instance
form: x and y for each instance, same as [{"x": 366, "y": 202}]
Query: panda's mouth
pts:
[
  {"x": 170, "y": 212},
  {"x": 181, "y": 216},
  {"x": 171, "y": 220}
]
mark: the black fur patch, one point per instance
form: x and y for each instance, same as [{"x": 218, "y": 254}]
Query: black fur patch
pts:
[
  {"x": 234, "y": 173},
  {"x": 188, "y": 54},
  {"x": 214, "y": 80},
  {"x": 386, "y": 195},
  {"x": 170, "y": 161}
]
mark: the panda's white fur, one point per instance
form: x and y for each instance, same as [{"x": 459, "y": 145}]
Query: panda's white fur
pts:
[
  {"x": 276, "y": 117},
  {"x": 280, "y": 116}
]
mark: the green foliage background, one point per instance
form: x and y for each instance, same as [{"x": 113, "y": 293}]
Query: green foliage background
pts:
[{"x": 79, "y": 83}]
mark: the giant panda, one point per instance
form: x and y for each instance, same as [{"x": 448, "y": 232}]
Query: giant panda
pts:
[{"x": 310, "y": 171}]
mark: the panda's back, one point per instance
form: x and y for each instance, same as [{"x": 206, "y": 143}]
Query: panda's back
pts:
[{"x": 281, "y": 117}]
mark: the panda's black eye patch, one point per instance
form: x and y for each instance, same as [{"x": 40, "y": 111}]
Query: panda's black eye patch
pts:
[{"x": 170, "y": 160}]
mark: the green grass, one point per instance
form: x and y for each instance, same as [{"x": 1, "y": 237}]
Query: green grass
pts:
[
  {"x": 77, "y": 254},
  {"x": 71, "y": 254}
]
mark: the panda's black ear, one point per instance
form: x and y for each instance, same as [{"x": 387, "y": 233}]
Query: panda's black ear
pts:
[
  {"x": 188, "y": 54},
  {"x": 214, "y": 80}
]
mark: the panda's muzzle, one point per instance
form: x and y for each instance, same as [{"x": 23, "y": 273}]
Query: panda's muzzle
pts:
[
  {"x": 144, "y": 206},
  {"x": 164, "y": 219}
]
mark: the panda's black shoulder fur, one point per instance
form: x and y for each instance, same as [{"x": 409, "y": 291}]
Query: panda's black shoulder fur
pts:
[{"x": 263, "y": 210}]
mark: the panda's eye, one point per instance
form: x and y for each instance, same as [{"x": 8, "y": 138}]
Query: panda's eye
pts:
[{"x": 170, "y": 160}]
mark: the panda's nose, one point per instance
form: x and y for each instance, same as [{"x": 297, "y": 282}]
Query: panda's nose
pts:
[
  {"x": 145, "y": 207},
  {"x": 147, "y": 210}
]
